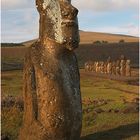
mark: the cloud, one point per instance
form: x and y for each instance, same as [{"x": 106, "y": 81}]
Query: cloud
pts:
[
  {"x": 19, "y": 25},
  {"x": 20, "y": 18},
  {"x": 130, "y": 29},
  {"x": 106, "y": 5},
  {"x": 16, "y": 4}
]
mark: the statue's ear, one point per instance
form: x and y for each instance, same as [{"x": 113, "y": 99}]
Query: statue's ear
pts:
[{"x": 39, "y": 5}]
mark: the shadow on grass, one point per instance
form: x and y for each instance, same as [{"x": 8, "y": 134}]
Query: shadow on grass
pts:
[{"x": 118, "y": 133}]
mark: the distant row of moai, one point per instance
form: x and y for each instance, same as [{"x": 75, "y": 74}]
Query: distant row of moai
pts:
[{"x": 120, "y": 67}]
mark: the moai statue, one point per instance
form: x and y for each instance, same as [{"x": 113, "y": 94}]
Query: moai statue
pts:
[
  {"x": 52, "y": 99},
  {"x": 109, "y": 68},
  {"x": 105, "y": 67},
  {"x": 108, "y": 59},
  {"x": 118, "y": 67},
  {"x": 102, "y": 67},
  {"x": 94, "y": 66},
  {"x": 128, "y": 68},
  {"x": 122, "y": 65},
  {"x": 90, "y": 65},
  {"x": 86, "y": 66},
  {"x": 114, "y": 68},
  {"x": 97, "y": 67},
  {"x": 109, "y": 65}
]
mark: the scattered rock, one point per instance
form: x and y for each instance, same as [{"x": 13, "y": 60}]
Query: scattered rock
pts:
[
  {"x": 135, "y": 100},
  {"x": 132, "y": 108},
  {"x": 10, "y": 101},
  {"x": 5, "y": 137},
  {"x": 110, "y": 110},
  {"x": 19, "y": 104},
  {"x": 116, "y": 111},
  {"x": 99, "y": 110}
]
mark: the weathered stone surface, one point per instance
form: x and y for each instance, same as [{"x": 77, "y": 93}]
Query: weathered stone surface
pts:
[
  {"x": 109, "y": 68},
  {"x": 114, "y": 68},
  {"x": 118, "y": 67},
  {"x": 128, "y": 68},
  {"x": 52, "y": 99},
  {"x": 122, "y": 67}
]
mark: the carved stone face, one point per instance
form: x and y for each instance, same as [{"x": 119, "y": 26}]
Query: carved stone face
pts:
[{"x": 60, "y": 23}]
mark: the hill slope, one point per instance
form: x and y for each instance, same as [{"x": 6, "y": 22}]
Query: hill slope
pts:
[{"x": 90, "y": 37}]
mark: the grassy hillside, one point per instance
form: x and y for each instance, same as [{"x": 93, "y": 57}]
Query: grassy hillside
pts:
[
  {"x": 11, "y": 44},
  {"x": 12, "y": 56},
  {"x": 110, "y": 111},
  {"x": 90, "y": 37},
  {"x": 93, "y": 46},
  {"x": 110, "y": 108},
  {"x": 101, "y": 52}
]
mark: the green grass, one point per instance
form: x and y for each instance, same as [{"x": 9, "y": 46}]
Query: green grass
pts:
[
  {"x": 103, "y": 126},
  {"x": 12, "y": 59},
  {"x": 11, "y": 122},
  {"x": 107, "y": 126},
  {"x": 11, "y": 83}
]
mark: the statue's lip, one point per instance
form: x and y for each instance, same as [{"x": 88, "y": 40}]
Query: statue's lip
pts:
[{"x": 68, "y": 21}]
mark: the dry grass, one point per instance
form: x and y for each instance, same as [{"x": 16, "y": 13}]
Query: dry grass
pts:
[
  {"x": 96, "y": 126},
  {"x": 90, "y": 37},
  {"x": 84, "y": 53},
  {"x": 13, "y": 52}
]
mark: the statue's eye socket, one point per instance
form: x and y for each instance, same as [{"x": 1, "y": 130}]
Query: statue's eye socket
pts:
[{"x": 68, "y": 10}]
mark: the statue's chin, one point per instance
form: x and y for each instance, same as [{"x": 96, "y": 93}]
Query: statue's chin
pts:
[{"x": 72, "y": 45}]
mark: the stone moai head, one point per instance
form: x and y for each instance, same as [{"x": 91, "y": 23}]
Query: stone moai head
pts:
[
  {"x": 128, "y": 62},
  {"x": 122, "y": 63},
  {"x": 58, "y": 21}
]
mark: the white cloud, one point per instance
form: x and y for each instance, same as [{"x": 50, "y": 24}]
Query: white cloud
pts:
[
  {"x": 130, "y": 29},
  {"x": 106, "y": 5},
  {"x": 16, "y": 4},
  {"x": 19, "y": 27},
  {"x": 21, "y": 21}
]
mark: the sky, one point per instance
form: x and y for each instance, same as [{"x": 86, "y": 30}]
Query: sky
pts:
[{"x": 19, "y": 18}]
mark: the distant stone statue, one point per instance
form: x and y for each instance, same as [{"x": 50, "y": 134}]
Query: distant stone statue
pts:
[
  {"x": 105, "y": 67},
  {"x": 91, "y": 66},
  {"x": 108, "y": 59},
  {"x": 118, "y": 67},
  {"x": 128, "y": 68},
  {"x": 87, "y": 67},
  {"x": 97, "y": 67},
  {"x": 122, "y": 65},
  {"x": 52, "y": 99},
  {"x": 102, "y": 67},
  {"x": 109, "y": 68},
  {"x": 114, "y": 68}
]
